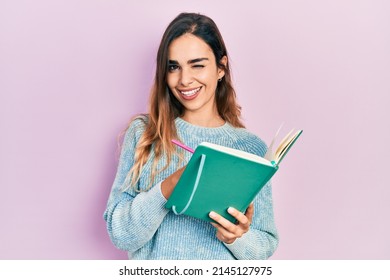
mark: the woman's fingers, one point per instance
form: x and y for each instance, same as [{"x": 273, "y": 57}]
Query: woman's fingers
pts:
[
  {"x": 222, "y": 221},
  {"x": 170, "y": 182},
  {"x": 223, "y": 234},
  {"x": 249, "y": 212},
  {"x": 226, "y": 230},
  {"x": 241, "y": 218}
]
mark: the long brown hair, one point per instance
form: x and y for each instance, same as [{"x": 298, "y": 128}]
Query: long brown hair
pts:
[{"x": 164, "y": 107}]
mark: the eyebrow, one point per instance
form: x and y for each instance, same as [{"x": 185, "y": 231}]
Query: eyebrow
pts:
[{"x": 189, "y": 61}]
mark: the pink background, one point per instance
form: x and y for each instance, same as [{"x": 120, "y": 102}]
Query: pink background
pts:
[{"x": 72, "y": 73}]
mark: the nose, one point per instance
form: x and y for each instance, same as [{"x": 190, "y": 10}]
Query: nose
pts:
[{"x": 186, "y": 77}]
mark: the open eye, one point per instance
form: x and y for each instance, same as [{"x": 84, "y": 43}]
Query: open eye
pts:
[{"x": 173, "y": 67}]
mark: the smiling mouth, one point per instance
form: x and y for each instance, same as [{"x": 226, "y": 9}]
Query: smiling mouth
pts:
[{"x": 190, "y": 93}]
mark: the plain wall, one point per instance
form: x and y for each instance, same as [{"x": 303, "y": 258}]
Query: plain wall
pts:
[{"x": 72, "y": 73}]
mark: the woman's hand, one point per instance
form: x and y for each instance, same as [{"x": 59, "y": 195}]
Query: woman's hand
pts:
[
  {"x": 227, "y": 231},
  {"x": 169, "y": 183}
]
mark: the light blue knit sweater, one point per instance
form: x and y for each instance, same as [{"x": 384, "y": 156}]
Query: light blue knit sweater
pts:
[{"x": 138, "y": 222}]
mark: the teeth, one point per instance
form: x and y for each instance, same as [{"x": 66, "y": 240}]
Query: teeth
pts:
[{"x": 190, "y": 92}]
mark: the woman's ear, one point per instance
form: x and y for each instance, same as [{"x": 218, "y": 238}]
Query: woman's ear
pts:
[{"x": 221, "y": 71}]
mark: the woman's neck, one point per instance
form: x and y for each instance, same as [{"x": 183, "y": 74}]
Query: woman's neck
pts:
[{"x": 205, "y": 121}]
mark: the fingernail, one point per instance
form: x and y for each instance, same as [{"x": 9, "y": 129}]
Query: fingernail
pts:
[
  {"x": 230, "y": 210},
  {"x": 212, "y": 214}
]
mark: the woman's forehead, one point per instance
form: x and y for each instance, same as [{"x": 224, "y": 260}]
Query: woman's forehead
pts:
[{"x": 187, "y": 48}]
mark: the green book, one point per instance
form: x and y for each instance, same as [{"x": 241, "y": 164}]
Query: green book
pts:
[{"x": 217, "y": 177}]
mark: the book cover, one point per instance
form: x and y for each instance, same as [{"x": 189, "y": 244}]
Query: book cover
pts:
[{"x": 217, "y": 177}]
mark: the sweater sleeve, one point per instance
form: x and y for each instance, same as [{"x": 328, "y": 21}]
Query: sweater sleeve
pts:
[
  {"x": 261, "y": 241},
  {"x": 132, "y": 217}
]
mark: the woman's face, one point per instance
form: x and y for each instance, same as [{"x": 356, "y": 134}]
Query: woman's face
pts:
[{"x": 193, "y": 74}]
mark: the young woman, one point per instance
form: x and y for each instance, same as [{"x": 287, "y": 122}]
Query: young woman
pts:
[{"x": 192, "y": 100}]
